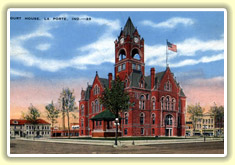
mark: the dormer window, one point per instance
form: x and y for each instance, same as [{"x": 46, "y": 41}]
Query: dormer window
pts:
[{"x": 15, "y": 122}]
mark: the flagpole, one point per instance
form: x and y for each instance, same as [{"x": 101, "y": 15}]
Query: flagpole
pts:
[{"x": 166, "y": 53}]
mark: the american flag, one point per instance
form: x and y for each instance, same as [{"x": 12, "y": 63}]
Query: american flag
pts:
[{"x": 171, "y": 47}]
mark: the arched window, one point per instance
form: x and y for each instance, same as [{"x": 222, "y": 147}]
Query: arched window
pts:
[
  {"x": 96, "y": 106},
  {"x": 167, "y": 105},
  {"x": 101, "y": 107},
  {"x": 141, "y": 84},
  {"x": 153, "y": 131},
  {"x": 93, "y": 107},
  {"x": 126, "y": 118},
  {"x": 169, "y": 120},
  {"x": 142, "y": 131},
  {"x": 135, "y": 54},
  {"x": 167, "y": 86},
  {"x": 142, "y": 118},
  {"x": 153, "y": 103},
  {"x": 173, "y": 104},
  {"x": 82, "y": 110},
  {"x": 82, "y": 123},
  {"x": 162, "y": 103},
  {"x": 122, "y": 54},
  {"x": 142, "y": 102},
  {"x": 153, "y": 118},
  {"x": 96, "y": 90}
]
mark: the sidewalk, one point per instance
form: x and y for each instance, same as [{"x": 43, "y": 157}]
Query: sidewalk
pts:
[{"x": 125, "y": 142}]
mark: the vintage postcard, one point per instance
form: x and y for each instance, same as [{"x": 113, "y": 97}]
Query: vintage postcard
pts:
[{"x": 117, "y": 82}]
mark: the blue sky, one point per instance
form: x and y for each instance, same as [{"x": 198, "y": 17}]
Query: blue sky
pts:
[{"x": 61, "y": 50}]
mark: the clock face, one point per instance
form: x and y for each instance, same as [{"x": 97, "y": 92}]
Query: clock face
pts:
[
  {"x": 122, "y": 40},
  {"x": 136, "y": 40}
]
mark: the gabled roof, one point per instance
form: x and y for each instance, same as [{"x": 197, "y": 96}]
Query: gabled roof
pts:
[
  {"x": 87, "y": 92},
  {"x": 104, "y": 115},
  {"x": 129, "y": 28},
  {"x": 148, "y": 82},
  {"x": 22, "y": 122},
  {"x": 104, "y": 82},
  {"x": 17, "y": 121},
  {"x": 158, "y": 77},
  {"x": 135, "y": 77}
]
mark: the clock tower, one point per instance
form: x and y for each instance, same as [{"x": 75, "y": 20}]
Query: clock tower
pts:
[{"x": 129, "y": 52}]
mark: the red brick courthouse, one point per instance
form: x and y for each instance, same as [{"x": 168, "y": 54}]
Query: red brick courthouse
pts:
[{"x": 159, "y": 108}]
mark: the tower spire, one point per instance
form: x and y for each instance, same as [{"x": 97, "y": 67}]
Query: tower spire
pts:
[{"x": 129, "y": 28}]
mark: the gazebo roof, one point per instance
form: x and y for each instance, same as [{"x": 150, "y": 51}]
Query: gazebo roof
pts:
[{"x": 105, "y": 115}]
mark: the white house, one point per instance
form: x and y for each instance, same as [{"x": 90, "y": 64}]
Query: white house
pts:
[{"x": 23, "y": 128}]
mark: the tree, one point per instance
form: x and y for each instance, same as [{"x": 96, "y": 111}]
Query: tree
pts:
[
  {"x": 32, "y": 116},
  {"x": 218, "y": 113},
  {"x": 52, "y": 114},
  {"x": 116, "y": 100},
  {"x": 68, "y": 104},
  {"x": 62, "y": 109},
  {"x": 195, "y": 112}
]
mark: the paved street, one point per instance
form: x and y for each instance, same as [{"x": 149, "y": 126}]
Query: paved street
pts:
[{"x": 36, "y": 147}]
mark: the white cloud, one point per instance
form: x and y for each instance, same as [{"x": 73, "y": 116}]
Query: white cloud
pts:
[
  {"x": 156, "y": 54},
  {"x": 40, "y": 32},
  {"x": 170, "y": 23},
  {"x": 204, "y": 59},
  {"x": 97, "y": 52},
  {"x": 94, "y": 53},
  {"x": 43, "y": 47},
  {"x": 21, "y": 54},
  {"x": 15, "y": 72},
  {"x": 190, "y": 46},
  {"x": 102, "y": 50}
]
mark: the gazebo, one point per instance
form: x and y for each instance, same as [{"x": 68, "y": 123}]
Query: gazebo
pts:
[{"x": 108, "y": 127}]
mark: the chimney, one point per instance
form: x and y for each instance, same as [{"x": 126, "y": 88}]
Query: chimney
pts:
[
  {"x": 152, "y": 77},
  {"x": 110, "y": 79}
]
